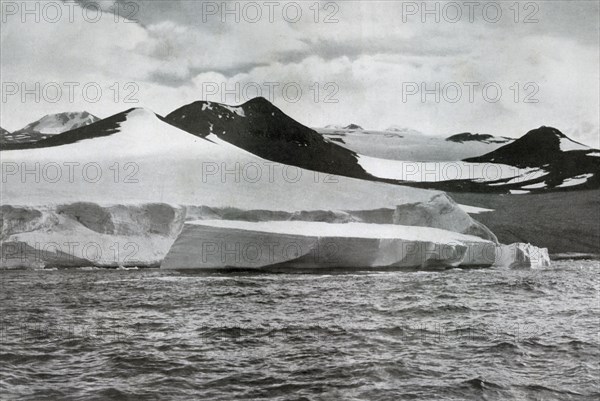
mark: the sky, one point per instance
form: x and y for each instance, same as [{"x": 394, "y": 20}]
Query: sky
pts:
[{"x": 500, "y": 68}]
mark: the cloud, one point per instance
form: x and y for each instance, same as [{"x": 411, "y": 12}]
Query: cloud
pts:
[{"x": 175, "y": 49}]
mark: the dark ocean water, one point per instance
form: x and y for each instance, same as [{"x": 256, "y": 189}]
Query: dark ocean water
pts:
[{"x": 151, "y": 334}]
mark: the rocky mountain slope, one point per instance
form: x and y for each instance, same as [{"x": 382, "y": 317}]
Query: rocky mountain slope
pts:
[{"x": 259, "y": 127}]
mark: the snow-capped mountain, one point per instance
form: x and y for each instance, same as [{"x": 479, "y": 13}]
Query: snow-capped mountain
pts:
[
  {"x": 567, "y": 163},
  {"x": 484, "y": 138},
  {"x": 538, "y": 147},
  {"x": 49, "y": 125},
  {"x": 259, "y": 127}
]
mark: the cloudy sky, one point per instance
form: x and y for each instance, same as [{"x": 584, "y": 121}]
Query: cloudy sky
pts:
[{"x": 499, "y": 68}]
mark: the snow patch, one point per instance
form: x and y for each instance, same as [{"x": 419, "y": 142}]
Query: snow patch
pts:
[
  {"x": 237, "y": 110},
  {"x": 567, "y": 145},
  {"x": 525, "y": 176},
  {"x": 441, "y": 171},
  {"x": 571, "y": 182},
  {"x": 535, "y": 186}
]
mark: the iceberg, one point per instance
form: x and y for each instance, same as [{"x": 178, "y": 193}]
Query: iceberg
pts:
[
  {"x": 521, "y": 256},
  {"x": 304, "y": 245}
]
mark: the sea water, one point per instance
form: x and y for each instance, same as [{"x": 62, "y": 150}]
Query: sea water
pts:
[{"x": 451, "y": 335}]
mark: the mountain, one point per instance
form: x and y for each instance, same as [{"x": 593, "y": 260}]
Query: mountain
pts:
[
  {"x": 259, "y": 127},
  {"x": 485, "y": 138},
  {"x": 354, "y": 127},
  {"x": 49, "y": 125},
  {"x": 567, "y": 163},
  {"x": 3, "y": 135}
]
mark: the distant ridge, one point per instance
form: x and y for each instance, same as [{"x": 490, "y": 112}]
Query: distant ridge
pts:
[
  {"x": 107, "y": 126},
  {"x": 49, "y": 125},
  {"x": 347, "y": 127},
  {"x": 469, "y": 137}
]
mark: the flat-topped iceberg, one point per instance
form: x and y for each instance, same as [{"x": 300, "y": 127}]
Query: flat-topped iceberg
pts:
[{"x": 304, "y": 245}]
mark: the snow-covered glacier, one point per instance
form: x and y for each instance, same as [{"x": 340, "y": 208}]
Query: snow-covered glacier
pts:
[{"x": 303, "y": 245}]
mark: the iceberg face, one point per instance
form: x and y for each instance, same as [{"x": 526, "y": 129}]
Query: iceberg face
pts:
[
  {"x": 303, "y": 245},
  {"x": 521, "y": 256},
  {"x": 87, "y": 234},
  {"x": 109, "y": 235}
]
